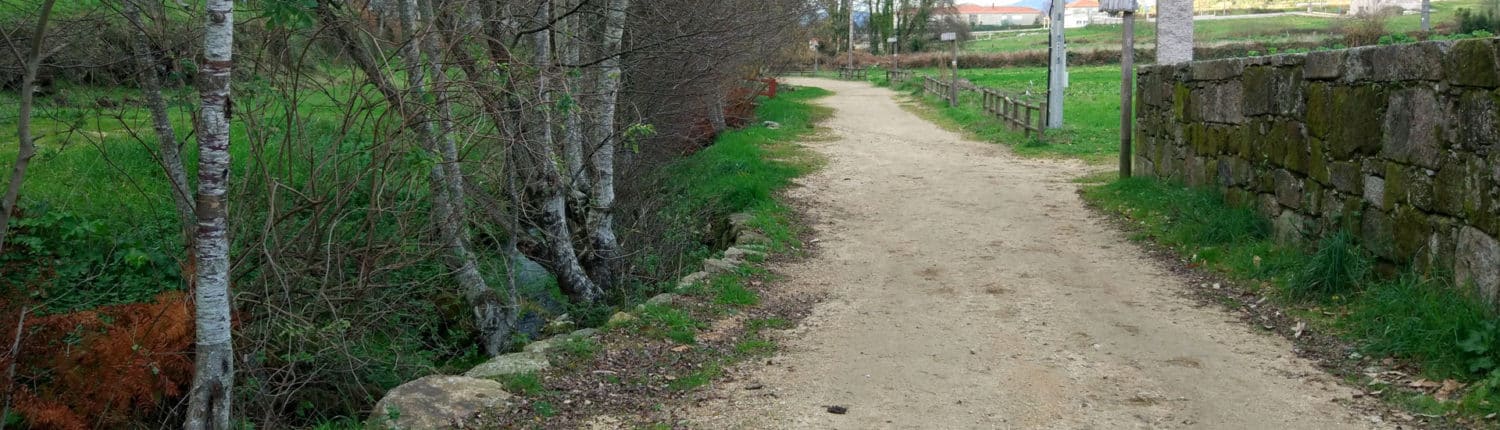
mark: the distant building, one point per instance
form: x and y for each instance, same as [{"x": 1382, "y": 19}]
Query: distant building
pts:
[
  {"x": 1369, "y": 6},
  {"x": 977, "y": 15},
  {"x": 1080, "y": 13}
]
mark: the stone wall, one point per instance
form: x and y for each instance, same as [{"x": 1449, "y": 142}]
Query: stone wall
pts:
[{"x": 1400, "y": 144}]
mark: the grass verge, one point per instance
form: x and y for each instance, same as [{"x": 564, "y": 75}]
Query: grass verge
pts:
[{"x": 1442, "y": 341}]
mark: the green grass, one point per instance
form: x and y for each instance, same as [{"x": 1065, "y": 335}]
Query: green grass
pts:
[
  {"x": 698, "y": 378},
  {"x": 528, "y": 384},
  {"x": 578, "y": 348},
  {"x": 1091, "y": 111},
  {"x": 666, "y": 322},
  {"x": 1417, "y": 318}
]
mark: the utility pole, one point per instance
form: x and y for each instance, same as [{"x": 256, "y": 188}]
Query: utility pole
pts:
[
  {"x": 1057, "y": 70},
  {"x": 1426, "y": 16},
  {"x": 851, "y": 34},
  {"x": 953, "y": 86},
  {"x": 1127, "y": 81},
  {"x": 1126, "y": 8},
  {"x": 896, "y": 35}
]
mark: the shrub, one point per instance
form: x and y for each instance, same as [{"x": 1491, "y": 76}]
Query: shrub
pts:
[
  {"x": 1471, "y": 21},
  {"x": 102, "y": 368},
  {"x": 1363, "y": 29}
]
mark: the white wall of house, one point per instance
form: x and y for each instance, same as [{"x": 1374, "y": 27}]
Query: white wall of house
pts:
[
  {"x": 1075, "y": 17},
  {"x": 1003, "y": 19}
]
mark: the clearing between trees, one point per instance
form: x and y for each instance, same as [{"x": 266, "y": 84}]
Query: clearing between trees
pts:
[{"x": 971, "y": 288}]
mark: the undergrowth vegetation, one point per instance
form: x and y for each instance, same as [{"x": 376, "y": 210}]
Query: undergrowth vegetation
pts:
[
  {"x": 1418, "y": 318},
  {"x": 742, "y": 172}
]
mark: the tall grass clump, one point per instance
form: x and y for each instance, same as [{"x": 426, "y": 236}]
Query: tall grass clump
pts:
[{"x": 1338, "y": 268}]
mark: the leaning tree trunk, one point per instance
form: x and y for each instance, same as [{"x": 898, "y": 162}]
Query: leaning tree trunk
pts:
[
  {"x": 492, "y": 313},
  {"x": 601, "y": 228},
  {"x": 213, "y": 379},
  {"x": 166, "y": 137},
  {"x": 23, "y": 122},
  {"x": 570, "y": 274}
]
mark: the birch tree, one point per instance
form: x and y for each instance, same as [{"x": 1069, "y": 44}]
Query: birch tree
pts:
[
  {"x": 161, "y": 123},
  {"x": 213, "y": 377},
  {"x": 606, "y": 248},
  {"x": 551, "y": 188},
  {"x": 27, "y": 150}
]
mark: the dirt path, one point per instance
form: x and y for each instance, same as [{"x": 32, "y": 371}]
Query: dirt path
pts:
[{"x": 970, "y": 288}]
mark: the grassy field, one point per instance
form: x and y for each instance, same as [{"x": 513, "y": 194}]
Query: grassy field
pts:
[
  {"x": 1272, "y": 30},
  {"x": 1091, "y": 111}
]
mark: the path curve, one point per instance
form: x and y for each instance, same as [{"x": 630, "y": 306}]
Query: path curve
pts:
[{"x": 970, "y": 288}]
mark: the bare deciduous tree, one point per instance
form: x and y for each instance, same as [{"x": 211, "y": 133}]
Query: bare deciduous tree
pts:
[{"x": 33, "y": 62}]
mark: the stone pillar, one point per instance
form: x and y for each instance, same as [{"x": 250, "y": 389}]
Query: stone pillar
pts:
[{"x": 1174, "y": 31}]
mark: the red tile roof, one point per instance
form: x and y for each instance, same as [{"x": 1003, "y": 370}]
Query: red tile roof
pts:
[
  {"x": 974, "y": 9},
  {"x": 1089, "y": 4}
]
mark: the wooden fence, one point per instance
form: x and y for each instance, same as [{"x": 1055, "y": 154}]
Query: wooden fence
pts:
[
  {"x": 1013, "y": 111},
  {"x": 897, "y": 76},
  {"x": 931, "y": 85},
  {"x": 1018, "y": 114},
  {"x": 854, "y": 73}
]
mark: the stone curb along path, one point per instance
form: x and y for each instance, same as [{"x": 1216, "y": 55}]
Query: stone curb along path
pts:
[
  {"x": 968, "y": 288},
  {"x": 443, "y": 401}
]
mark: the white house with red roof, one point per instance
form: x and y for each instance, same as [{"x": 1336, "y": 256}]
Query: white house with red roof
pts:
[
  {"x": 1080, "y": 13},
  {"x": 998, "y": 15}
]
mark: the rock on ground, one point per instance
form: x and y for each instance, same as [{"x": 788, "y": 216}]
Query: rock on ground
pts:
[
  {"x": 436, "y": 402},
  {"x": 510, "y": 364}
]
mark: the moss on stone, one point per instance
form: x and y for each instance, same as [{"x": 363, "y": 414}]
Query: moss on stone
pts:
[
  {"x": 1472, "y": 63},
  {"x": 1180, "y": 96},
  {"x": 1396, "y": 184},
  {"x": 1317, "y": 164},
  {"x": 1410, "y": 231},
  {"x": 1320, "y": 117}
]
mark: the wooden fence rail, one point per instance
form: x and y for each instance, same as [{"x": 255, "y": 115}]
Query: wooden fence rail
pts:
[
  {"x": 1013, "y": 111},
  {"x": 854, "y": 73},
  {"x": 897, "y": 76},
  {"x": 934, "y": 86}
]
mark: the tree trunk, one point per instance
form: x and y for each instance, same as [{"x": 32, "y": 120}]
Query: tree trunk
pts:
[
  {"x": 573, "y": 135},
  {"x": 601, "y": 218},
  {"x": 445, "y": 178},
  {"x": 171, "y": 154},
  {"x": 570, "y": 273},
  {"x": 213, "y": 380},
  {"x": 23, "y": 123}
]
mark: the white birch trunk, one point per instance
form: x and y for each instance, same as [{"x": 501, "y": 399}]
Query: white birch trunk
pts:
[
  {"x": 570, "y": 273},
  {"x": 573, "y": 134},
  {"x": 601, "y": 217},
  {"x": 23, "y": 122},
  {"x": 171, "y": 154},
  {"x": 213, "y": 379},
  {"x": 446, "y": 178}
]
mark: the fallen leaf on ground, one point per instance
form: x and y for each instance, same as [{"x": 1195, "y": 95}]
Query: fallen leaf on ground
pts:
[{"x": 1446, "y": 391}]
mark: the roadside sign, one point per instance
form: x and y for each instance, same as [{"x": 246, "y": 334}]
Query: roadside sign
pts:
[
  {"x": 1117, "y": 5},
  {"x": 949, "y": 37},
  {"x": 890, "y": 40}
]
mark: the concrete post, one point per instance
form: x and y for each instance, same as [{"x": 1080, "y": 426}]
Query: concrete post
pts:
[
  {"x": 1057, "y": 71},
  {"x": 1174, "y": 31}
]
